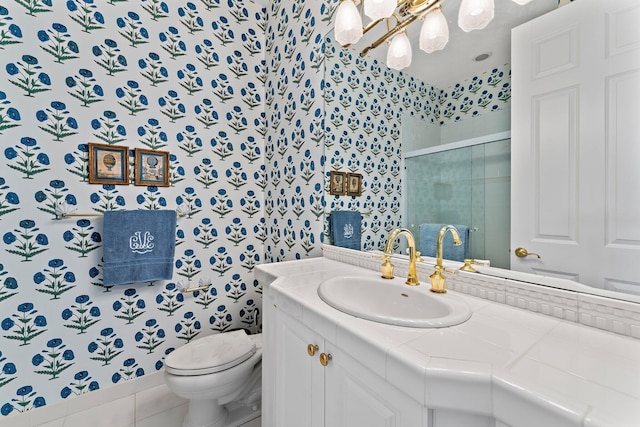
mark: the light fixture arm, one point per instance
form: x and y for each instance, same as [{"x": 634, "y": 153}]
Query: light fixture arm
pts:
[
  {"x": 372, "y": 24},
  {"x": 399, "y": 27}
]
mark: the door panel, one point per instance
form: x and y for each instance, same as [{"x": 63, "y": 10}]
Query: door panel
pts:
[{"x": 575, "y": 132}]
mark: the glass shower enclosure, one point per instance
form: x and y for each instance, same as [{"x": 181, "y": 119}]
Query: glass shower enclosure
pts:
[{"x": 466, "y": 184}]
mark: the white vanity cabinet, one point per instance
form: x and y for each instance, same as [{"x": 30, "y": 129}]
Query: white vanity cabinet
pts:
[{"x": 301, "y": 392}]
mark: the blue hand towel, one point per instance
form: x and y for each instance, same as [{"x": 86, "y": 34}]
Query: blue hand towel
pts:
[
  {"x": 429, "y": 237},
  {"x": 346, "y": 229},
  {"x": 138, "y": 246}
]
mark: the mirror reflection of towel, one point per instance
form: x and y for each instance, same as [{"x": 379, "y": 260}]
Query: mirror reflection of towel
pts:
[
  {"x": 346, "y": 229},
  {"x": 139, "y": 246},
  {"x": 429, "y": 238}
]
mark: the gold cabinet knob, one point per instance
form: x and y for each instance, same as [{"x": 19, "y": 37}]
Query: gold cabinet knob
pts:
[
  {"x": 522, "y": 253},
  {"x": 312, "y": 349},
  {"x": 325, "y": 358}
]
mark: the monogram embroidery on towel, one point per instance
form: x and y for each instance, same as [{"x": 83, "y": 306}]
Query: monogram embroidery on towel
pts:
[
  {"x": 141, "y": 243},
  {"x": 348, "y": 231}
]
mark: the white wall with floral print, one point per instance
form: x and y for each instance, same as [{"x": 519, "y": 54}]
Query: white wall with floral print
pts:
[{"x": 180, "y": 76}]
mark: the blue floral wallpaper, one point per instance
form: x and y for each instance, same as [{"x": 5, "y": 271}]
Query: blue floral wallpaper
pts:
[
  {"x": 365, "y": 103},
  {"x": 294, "y": 141},
  {"x": 180, "y": 76}
]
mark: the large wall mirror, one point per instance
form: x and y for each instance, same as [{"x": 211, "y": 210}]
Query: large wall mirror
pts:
[{"x": 383, "y": 123}]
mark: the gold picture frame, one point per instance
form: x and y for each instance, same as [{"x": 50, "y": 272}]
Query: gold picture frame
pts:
[
  {"x": 354, "y": 184},
  {"x": 151, "y": 168},
  {"x": 337, "y": 183},
  {"x": 108, "y": 164}
]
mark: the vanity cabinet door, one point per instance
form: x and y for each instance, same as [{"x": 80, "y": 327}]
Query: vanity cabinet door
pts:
[
  {"x": 293, "y": 379},
  {"x": 356, "y": 396}
]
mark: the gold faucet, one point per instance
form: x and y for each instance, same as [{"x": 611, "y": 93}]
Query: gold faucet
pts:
[
  {"x": 437, "y": 279},
  {"x": 387, "y": 267}
]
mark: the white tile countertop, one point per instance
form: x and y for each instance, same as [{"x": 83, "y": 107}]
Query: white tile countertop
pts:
[{"x": 523, "y": 368}]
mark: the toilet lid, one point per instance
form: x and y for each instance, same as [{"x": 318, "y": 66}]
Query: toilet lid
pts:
[{"x": 210, "y": 354}]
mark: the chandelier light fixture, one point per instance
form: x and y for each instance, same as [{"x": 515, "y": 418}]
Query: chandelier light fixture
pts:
[{"x": 434, "y": 33}]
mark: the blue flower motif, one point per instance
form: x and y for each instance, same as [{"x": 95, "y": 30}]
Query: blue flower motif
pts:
[
  {"x": 70, "y": 277},
  {"x": 98, "y": 17},
  {"x": 7, "y": 324},
  {"x": 15, "y": 31},
  {"x": 44, "y": 79},
  {"x": 25, "y": 307},
  {"x": 9, "y": 238},
  {"x": 40, "y": 321},
  {"x": 118, "y": 343},
  {"x": 73, "y": 46},
  {"x": 42, "y": 239},
  {"x": 12, "y": 69},
  {"x": 55, "y": 342},
  {"x": 43, "y": 36},
  {"x": 94, "y": 312},
  {"x": 68, "y": 355},
  {"x": 66, "y": 314},
  {"x": 59, "y": 27},
  {"x": 41, "y": 115},
  {"x": 12, "y": 198},
  {"x": 40, "y": 196},
  {"x": 117, "y": 305},
  {"x": 120, "y": 23},
  {"x": 31, "y": 60},
  {"x": 72, "y": 123},
  {"x": 96, "y": 51},
  {"x": 93, "y": 272},
  {"x": 9, "y": 369},
  {"x": 92, "y": 347},
  {"x": 58, "y": 105},
  {"x": 65, "y": 392},
  {"x": 43, "y": 159},
  {"x": 39, "y": 278}
]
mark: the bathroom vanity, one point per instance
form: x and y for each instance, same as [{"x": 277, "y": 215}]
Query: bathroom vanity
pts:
[{"x": 504, "y": 366}]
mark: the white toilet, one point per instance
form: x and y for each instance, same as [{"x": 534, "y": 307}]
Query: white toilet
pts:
[{"x": 221, "y": 377}]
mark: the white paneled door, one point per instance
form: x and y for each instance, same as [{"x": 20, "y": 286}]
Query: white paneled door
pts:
[{"x": 576, "y": 144}]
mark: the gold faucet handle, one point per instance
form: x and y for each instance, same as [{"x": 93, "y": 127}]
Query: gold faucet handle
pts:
[
  {"x": 467, "y": 266},
  {"x": 387, "y": 267},
  {"x": 418, "y": 257}
]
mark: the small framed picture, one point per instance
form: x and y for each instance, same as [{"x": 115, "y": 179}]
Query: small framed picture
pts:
[
  {"x": 354, "y": 184},
  {"x": 337, "y": 183},
  {"x": 151, "y": 167},
  {"x": 108, "y": 164}
]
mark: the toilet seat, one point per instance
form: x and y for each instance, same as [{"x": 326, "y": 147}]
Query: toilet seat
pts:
[{"x": 211, "y": 354}]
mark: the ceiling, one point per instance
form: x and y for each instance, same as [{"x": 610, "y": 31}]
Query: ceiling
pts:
[{"x": 455, "y": 62}]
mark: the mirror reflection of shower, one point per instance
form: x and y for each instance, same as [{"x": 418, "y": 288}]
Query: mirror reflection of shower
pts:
[{"x": 470, "y": 185}]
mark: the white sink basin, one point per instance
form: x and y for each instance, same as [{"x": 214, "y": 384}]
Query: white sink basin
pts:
[{"x": 392, "y": 302}]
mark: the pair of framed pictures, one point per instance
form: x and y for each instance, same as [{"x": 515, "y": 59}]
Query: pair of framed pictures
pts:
[
  {"x": 345, "y": 184},
  {"x": 109, "y": 164}
]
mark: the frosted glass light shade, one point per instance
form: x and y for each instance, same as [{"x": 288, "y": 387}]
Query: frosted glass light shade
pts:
[
  {"x": 522, "y": 2},
  {"x": 378, "y": 9},
  {"x": 348, "y": 27},
  {"x": 434, "y": 34},
  {"x": 475, "y": 14},
  {"x": 399, "y": 53}
]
